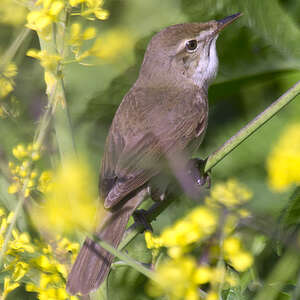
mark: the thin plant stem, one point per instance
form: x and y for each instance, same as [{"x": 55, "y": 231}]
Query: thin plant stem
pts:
[
  {"x": 252, "y": 126},
  {"x": 125, "y": 258},
  {"x": 14, "y": 47}
]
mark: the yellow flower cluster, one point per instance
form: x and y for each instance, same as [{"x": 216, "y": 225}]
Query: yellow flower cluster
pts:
[
  {"x": 71, "y": 202},
  {"x": 230, "y": 194},
  {"x": 91, "y": 9},
  {"x": 46, "y": 13},
  {"x": 111, "y": 44},
  {"x": 50, "y": 63},
  {"x": 52, "y": 272},
  {"x": 195, "y": 227},
  {"x": 7, "y": 80},
  {"x": 283, "y": 163},
  {"x": 240, "y": 259},
  {"x": 42, "y": 267},
  {"x": 23, "y": 171},
  {"x": 12, "y": 13},
  {"x": 180, "y": 276}
]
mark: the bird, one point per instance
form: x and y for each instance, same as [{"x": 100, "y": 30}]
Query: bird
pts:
[{"x": 160, "y": 121}]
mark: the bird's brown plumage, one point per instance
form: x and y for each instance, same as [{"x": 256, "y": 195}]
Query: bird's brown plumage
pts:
[{"x": 161, "y": 119}]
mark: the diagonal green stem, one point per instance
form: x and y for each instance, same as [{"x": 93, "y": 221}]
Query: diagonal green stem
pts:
[
  {"x": 14, "y": 47},
  {"x": 125, "y": 258},
  {"x": 252, "y": 126}
]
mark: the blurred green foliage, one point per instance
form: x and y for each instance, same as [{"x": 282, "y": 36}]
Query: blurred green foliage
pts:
[{"x": 259, "y": 59}]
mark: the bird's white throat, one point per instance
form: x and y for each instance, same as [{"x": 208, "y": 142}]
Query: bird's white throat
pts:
[{"x": 207, "y": 68}]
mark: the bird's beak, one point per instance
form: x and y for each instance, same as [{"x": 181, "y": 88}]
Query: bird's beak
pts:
[{"x": 228, "y": 20}]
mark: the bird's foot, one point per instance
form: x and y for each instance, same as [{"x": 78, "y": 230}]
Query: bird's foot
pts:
[
  {"x": 140, "y": 217},
  {"x": 196, "y": 170}
]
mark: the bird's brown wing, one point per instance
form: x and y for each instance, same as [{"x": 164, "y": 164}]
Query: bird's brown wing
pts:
[{"x": 163, "y": 133}]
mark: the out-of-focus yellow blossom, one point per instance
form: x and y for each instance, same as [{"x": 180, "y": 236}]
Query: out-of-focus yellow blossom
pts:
[
  {"x": 30, "y": 152},
  {"x": 45, "y": 182},
  {"x": 110, "y": 45},
  {"x": 77, "y": 36},
  {"x": 176, "y": 278},
  {"x": 212, "y": 295},
  {"x": 45, "y": 13},
  {"x": 48, "y": 61},
  {"x": 42, "y": 267},
  {"x": 20, "y": 270},
  {"x": 232, "y": 193},
  {"x": 194, "y": 227},
  {"x": 283, "y": 163},
  {"x": 91, "y": 9},
  {"x": 235, "y": 255},
  {"x": 7, "y": 79},
  {"x": 181, "y": 278},
  {"x": 12, "y": 13},
  {"x": 23, "y": 170},
  {"x": 53, "y": 273},
  {"x": 72, "y": 200},
  {"x": 20, "y": 243}
]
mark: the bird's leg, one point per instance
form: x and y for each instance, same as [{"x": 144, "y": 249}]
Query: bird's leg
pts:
[
  {"x": 195, "y": 169},
  {"x": 140, "y": 217},
  {"x": 158, "y": 195}
]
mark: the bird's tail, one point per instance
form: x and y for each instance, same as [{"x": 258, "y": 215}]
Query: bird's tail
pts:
[{"x": 93, "y": 263}]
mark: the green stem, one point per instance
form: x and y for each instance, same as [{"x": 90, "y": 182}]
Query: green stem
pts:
[
  {"x": 252, "y": 126},
  {"x": 125, "y": 258},
  {"x": 62, "y": 120},
  {"x": 14, "y": 47}
]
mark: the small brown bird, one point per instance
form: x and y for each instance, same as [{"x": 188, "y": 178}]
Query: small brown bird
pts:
[{"x": 161, "y": 119}]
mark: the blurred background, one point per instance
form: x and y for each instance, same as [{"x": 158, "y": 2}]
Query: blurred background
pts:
[{"x": 259, "y": 57}]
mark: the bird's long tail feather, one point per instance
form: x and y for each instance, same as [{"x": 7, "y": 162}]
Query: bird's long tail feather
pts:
[{"x": 93, "y": 263}]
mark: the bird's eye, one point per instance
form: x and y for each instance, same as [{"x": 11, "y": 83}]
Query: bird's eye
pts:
[{"x": 191, "y": 45}]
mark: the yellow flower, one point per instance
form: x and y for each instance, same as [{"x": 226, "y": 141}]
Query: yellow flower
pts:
[
  {"x": 235, "y": 255},
  {"x": 48, "y": 61},
  {"x": 195, "y": 226},
  {"x": 71, "y": 202},
  {"x": 241, "y": 261},
  {"x": 203, "y": 274},
  {"x": 77, "y": 36},
  {"x": 212, "y": 295},
  {"x": 91, "y": 7},
  {"x": 230, "y": 194},
  {"x": 7, "y": 80},
  {"x": 20, "y": 269},
  {"x": 283, "y": 163},
  {"x": 111, "y": 45},
  {"x": 45, "y": 182},
  {"x": 176, "y": 278},
  {"x": 232, "y": 245},
  {"x": 20, "y": 243},
  {"x": 151, "y": 241},
  {"x": 42, "y": 18}
]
